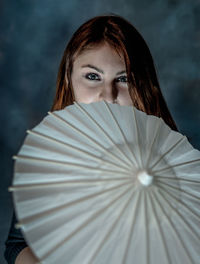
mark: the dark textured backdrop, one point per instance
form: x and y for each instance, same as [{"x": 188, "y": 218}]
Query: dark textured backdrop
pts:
[{"x": 33, "y": 35}]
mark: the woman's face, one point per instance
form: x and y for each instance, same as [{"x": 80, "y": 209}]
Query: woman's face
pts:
[{"x": 100, "y": 74}]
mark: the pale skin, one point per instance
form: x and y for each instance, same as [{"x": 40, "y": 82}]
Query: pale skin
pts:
[
  {"x": 26, "y": 257},
  {"x": 98, "y": 74}
]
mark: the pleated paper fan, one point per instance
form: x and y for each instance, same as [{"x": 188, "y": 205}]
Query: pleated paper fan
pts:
[{"x": 104, "y": 183}]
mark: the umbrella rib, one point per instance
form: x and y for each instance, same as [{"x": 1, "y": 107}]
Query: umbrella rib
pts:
[
  {"x": 68, "y": 204},
  {"x": 176, "y": 179},
  {"x": 137, "y": 132},
  {"x": 68, "y": 164},
  {"x": 40, "y": 135},
  {"x": 88, "y": 137},
  {"x": 153, "y": 142},
  {"x": 56, "y": 184},
  {"x": 168, "y": 151},
  {"x": 159, "y": 227},
  {"x": 136, "y": 205},
  {"x": 182, "y": 190},
  {"x": 178, "y": 164},
  {"x": 180, "y": 202},
  {"x": 111, "y": 229},
  {"x": 122, "y": 134},
  {"x": 173, "y": 228},
  {"x": 188, "y": 226},
  {"x": 101, "y": 129},
  {"x": 146, "y": 227},
  {"x": 84, "y": 224}
]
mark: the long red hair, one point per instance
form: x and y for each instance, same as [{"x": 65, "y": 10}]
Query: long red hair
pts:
[{"x": 143, "y": 84}]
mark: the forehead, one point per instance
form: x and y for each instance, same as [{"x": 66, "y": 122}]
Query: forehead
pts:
[{"x": 101, "y": 54}]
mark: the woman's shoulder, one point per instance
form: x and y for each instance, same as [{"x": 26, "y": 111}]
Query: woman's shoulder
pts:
[{"x": 14, "y": 243}]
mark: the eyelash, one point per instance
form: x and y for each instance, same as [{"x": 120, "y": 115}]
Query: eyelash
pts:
[{"x": 88, "y": 74}]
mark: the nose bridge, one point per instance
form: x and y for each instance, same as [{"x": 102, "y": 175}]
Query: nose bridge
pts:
[{"x": 109, "y": 91}]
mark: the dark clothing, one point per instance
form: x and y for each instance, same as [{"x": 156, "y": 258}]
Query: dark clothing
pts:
[{"x": 14, "y": 243}]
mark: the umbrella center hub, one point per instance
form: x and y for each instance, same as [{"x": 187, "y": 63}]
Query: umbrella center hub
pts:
[{"x": 145, "y": 178}]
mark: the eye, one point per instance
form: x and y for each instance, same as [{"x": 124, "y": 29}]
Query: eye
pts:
[
  {"x": 122, "y": 79},
  {"x": 92, "y": 76}
]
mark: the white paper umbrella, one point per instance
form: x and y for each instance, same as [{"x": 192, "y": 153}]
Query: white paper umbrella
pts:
[{"x": 103, "y": 183}]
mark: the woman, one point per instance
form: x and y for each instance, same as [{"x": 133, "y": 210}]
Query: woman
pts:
[{"x": 106, "y": 59}]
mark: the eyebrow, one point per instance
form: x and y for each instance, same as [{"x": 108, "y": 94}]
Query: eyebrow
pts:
[{"x": 97, "y": 69}]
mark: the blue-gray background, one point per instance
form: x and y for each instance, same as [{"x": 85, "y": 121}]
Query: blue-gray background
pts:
[{"x": 33, "y": 35}]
